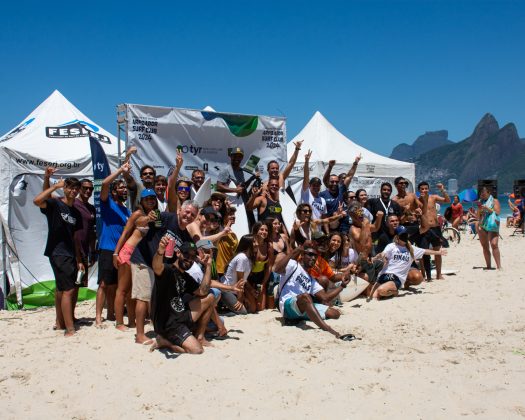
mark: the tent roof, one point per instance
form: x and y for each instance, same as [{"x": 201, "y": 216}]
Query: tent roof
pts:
[
  {"x": 30, "y": 136},
  {"x": 328, "y": 143}
]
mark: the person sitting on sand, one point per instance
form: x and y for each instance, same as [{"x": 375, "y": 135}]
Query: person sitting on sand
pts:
[
  {"x": 174, "y": 317},
  {"x": 297, "y": 289},
  {"x": 397, "y": 270}
]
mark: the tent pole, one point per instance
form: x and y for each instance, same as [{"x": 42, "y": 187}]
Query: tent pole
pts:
[{"x": 3, "y": 296}]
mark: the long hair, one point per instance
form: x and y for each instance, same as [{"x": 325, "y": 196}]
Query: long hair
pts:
[
  {"x": 408, "y": 245},
  {"x": 257, "y": 226},
  {"x": 338, "y": 254},
  {"x": 245, "y": 246}
]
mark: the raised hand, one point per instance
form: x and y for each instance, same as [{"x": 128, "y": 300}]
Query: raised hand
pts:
[
  {"x": 331, "y": 163},
  {"x": 179, "y": 160},
  {"x": 126, "y": 167},
  {"x": 49, "y": 171},
  {"x": 298, "y": 144},
  {"x": 308, "y": 156}
]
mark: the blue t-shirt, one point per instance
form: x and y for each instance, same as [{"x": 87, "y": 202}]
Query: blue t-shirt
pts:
[
  {"x": 114, "y": 217},
  {"x": 332, "y": 202}
]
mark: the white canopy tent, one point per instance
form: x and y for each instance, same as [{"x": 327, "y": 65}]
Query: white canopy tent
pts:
[
  {"x": 55, "y": 134},
  {"x": 328, "y": 144}
]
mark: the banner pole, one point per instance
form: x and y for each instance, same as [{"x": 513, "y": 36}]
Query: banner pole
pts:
[{"x": 3, "y": 295}]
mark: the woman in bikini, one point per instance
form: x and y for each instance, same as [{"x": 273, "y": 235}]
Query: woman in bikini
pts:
[
  {"x": 136, "y": 227},
  {"x": 489, "y": 221},
  {"x": 280, "y": 245},
  {"x": 255, "y": 290},
  {"x": 304, "y": 226}
]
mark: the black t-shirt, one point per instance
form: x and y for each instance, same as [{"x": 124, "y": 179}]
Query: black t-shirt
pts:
[
  {"x": 145, "y": 250},
  {"x": 390, "y": 207},
  {"x": 167, "y": 303},
  {"x": 384, "y": 239},
  {"x": 63, "y": 221}
]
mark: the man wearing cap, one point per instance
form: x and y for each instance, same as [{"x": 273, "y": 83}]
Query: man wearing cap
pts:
[
  {"x": 407, "y": 200},
  {"x": 297, "y": 289},
  {"x": 206, "y": 247},
  {"x": 311, "y": 189},
  {"x": 180, "y": 320}
]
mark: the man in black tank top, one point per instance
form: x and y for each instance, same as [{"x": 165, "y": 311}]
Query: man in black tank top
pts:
[{"x": 266, "y": 201}]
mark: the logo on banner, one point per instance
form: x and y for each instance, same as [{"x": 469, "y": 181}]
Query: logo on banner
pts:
[
  {"x": 239, "y": 125},
  {"x": 193, "y": 150},
  {"x": 76, "y": 128},
  {"x": 17, "y": 130}
]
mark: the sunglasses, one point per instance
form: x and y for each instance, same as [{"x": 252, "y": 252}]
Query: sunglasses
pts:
[
  {"x": 87, "y": 188},
  {"x": 148, "y": 174},
  {"x": 185, "y": 189},
  {"x": 351, "y": 197},
  {"x": 198, "y": 177},
  {"x": 311, "y": 254}
]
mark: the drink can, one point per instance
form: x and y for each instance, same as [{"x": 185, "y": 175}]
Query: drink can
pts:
[
  {"x": 158, "y": 221},
  {"x": 80, "y": 274},
  {"x": 170, "y": 248}
]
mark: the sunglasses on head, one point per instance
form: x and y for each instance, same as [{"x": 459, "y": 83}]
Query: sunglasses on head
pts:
[{"x": 186, "y": 189}]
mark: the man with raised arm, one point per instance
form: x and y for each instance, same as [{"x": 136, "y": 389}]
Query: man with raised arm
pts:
[
  {"x": 273, "y": 166},
  {"x": 430, "y": 230},
  {"x": 174, "y": 317},
  {"x": 63, "y": 247},
  {"x": 311, "y": 189},
  {"x": 334, "y": 194},
  {"x": 297, "y": 289}
]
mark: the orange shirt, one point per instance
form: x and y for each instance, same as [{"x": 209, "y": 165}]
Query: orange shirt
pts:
[{"x": 321, "y": 268}]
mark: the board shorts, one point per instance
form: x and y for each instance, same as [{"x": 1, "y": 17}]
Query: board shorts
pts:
[
  {"x": 385, "y": 278},
  {"x": 142, "y": 278},
  {"x": 65, "y": 270},
  {"x": 107, "y": 272},
  {"x": 125, "y": 254},
  {"x": 433, "y": 237},
  {"x": 179, "y": 328},
  {"x": 292, "y": 311}
]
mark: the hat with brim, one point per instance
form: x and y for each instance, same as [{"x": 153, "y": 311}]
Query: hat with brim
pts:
[
  {"x": 218, "y": 196},
  {"x": 205, "y": 244},
  {"x": 147, "y": 193}
]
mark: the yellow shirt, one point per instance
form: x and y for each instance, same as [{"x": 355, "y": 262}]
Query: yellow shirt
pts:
[{"x": 226, "y": 251}]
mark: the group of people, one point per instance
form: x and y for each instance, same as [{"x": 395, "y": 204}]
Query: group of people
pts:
[{"x": 163, "y": 257}]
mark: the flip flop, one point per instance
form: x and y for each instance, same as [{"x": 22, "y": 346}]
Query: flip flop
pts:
[{"x": 348, "y": 337}]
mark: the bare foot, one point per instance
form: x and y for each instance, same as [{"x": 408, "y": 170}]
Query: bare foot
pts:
[
  {"x": 69, "y": 333},
  {"x": 142, "y": 339},
  {"x": 132, "y": 325},
  {"x": 440, "y": 278},
  {"x": 222, "y": 332},
  {"x": 121, "y": 327}
]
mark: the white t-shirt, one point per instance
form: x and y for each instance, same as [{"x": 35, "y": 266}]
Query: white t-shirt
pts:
[
  {"x": 239, "y": 263},
  {"x": 300, "y": 282},
  {"x": 399, "y": 260},
  {"x": 347, "y": 259},
  {"x": 318, "y": 204}
]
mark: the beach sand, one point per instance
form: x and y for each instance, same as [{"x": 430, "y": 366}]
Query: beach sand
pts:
[{"x": 445, "y": 349}]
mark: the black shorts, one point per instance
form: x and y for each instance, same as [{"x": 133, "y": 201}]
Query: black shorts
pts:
[
  {"x": 65, "y": 270},
  {"x": 256, "y": 278},
  {"x": 433, "y": 237},
  {"x": 385, "y": 278},
  {"x": 106, "y": 270},
  {"x": 179, "y": 328}
]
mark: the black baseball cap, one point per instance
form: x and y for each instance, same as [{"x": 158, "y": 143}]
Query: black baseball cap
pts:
[
  {"x": 315, "y": 180},
  {"x": 186, "y": 247}
]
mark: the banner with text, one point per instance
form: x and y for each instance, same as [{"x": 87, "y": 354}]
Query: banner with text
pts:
[{"x": 203, "y": 137}]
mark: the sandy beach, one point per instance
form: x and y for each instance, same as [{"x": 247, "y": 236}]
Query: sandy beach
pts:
[{"x": 445, "y": 349}]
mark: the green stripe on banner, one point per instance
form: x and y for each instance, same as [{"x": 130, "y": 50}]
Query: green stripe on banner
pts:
[{"x": 43, "y": 294}]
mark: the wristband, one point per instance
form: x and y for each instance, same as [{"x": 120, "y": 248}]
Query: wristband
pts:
[
  {"x": 354, "y": 164},
  {"x": 115, "y": 255}
]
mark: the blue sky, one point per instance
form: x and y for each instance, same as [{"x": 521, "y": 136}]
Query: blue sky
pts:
[{"x": 382, "y": 72}]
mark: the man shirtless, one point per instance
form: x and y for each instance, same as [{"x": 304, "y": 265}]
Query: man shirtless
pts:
[
  {"x": 407, "y": 200},
  {"x": 430, "y": 231},
  {"x": 361, "y": 232}
]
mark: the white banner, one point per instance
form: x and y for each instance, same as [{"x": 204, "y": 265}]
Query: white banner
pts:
[{"x": 203, "y": 137}]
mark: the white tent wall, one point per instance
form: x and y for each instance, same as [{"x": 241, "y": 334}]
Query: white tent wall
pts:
[
  {"x": 327, "y": 143},
  {"x": 24, "y": 154}
]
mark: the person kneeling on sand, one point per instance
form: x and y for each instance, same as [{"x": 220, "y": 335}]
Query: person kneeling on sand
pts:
[
  {"x": 397, "y": 270},
  {"x": 297, "y": 289},
  {"x": 174, "y": 316}
]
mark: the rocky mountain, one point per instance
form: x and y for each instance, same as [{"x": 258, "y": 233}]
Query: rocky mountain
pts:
[
  {"x": 490, "y": 152},
  {"x": 424, "y": 143}
]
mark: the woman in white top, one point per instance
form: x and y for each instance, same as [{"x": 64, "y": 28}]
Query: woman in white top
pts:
[
  {"x": 398, "y": 271},
  {"x": 236, "y": 275}
]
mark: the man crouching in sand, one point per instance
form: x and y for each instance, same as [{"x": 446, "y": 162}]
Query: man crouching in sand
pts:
[
  {"x": 297, "y": 288},
  {"x": 174, "y": 311}
]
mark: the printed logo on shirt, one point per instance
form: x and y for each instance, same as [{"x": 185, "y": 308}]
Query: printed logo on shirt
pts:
[
  {"x": 68, "y": 218},
  {"x": 177, "y": 304},
  {"x": 405, "y": 256},
  {"x": 305, "y": 282}
]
